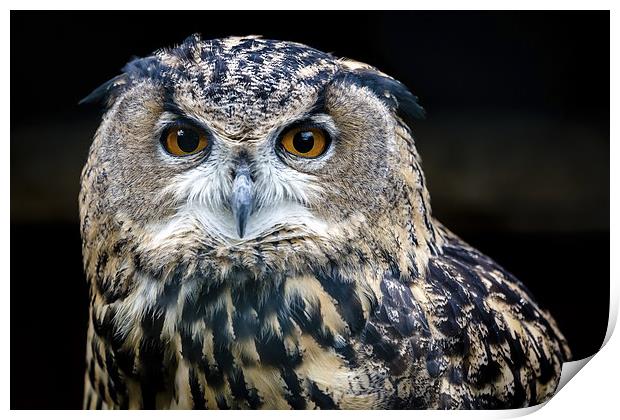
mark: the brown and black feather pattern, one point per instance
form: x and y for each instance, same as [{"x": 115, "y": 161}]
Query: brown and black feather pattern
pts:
[
  {"x": 465, "y": 335},
  {"x": 387, "y": 310}
]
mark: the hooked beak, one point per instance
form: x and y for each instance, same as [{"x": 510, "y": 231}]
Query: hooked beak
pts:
[{"x": 242, "y": 200}]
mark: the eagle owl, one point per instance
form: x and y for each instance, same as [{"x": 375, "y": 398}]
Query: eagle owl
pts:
[{"x": 257, "y": 233}]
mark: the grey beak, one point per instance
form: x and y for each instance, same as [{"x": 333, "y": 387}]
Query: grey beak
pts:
[{"x": 242, "y": 198}]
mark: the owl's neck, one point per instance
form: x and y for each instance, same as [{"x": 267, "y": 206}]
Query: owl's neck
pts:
[
  {"x": 221, "y": 334},
  {"x": 216, "y": 333}
]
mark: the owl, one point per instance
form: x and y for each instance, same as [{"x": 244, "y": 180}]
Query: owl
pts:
[{"x": 257, "y": 233}]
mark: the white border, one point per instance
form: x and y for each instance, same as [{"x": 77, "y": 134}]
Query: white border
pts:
[{"x": 313, "y": 5}]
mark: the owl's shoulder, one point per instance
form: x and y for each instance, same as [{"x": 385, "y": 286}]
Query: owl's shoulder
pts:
[{"x": 471, "y": 329}]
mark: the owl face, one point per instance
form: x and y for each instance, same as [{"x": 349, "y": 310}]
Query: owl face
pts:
[{"x": 246, "y": 148}]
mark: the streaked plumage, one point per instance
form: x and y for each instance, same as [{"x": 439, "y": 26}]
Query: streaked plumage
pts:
[{"x": 343, "y": 292}]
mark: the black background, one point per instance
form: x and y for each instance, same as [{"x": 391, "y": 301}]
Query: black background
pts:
[{"x": 515, "y": 148}]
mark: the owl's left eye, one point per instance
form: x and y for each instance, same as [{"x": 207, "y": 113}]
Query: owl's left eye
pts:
[
  {"x": 305, "y": 142},
  {"x": 183, "y": 140}
]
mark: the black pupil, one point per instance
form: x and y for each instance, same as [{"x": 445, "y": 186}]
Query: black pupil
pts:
[
  {"x": 303, "y": 141},
  {"x": 187, "y": 140}
]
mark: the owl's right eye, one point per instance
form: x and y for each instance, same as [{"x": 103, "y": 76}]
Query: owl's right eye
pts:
[{"x": 184, "y": 140}]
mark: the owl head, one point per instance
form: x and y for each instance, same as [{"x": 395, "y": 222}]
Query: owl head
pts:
[{"x": 246, "y": 152}]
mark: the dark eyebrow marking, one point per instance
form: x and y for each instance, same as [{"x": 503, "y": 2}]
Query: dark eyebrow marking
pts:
[
  {"x": 319, "y": 106},
  {"x": 307, "y": 121},
  {"x": 169, "y": 105},
  {"x": 181, "y": 121}
]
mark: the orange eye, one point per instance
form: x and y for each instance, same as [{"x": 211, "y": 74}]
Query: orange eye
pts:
[
  {"x": 305, "y": 142},
  {"x": 184, "y": 140}
]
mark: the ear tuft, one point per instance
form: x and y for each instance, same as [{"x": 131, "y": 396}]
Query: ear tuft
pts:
[
  {"x": 104, "y": 92},
  {"x": 393, "y": 92},
  {"x": 137, "y": 68}
]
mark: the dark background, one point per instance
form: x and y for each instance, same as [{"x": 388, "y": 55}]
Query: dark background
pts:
[{"x": 515, "y": 149}]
